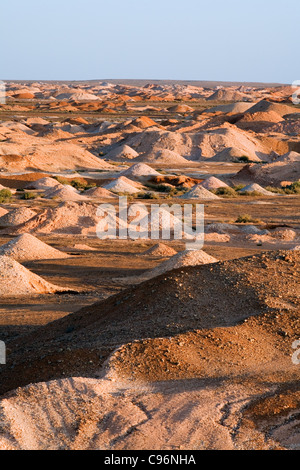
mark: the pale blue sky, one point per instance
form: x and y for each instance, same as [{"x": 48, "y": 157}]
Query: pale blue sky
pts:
[{"x": 230, "y": 40}]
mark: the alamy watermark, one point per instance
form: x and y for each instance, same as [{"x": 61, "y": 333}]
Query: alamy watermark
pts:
[
  {"x": 2, "y": 93},
  {"x": 155, "y": 222}
]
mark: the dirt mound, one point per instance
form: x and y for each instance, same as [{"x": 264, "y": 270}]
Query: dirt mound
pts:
[
  {"x": 24, "y": 96},
  {"x": 39, "y": 153},
  {"x": 123, "y": 185},
  {"x": 213, "y": 183},
  {"x": 99, "y": 193},
  {"x": 234, "y": 108},
  {"x": 225, "y": 94},
  {"x": 181, "y": 109},
  {"x": 64, "y": 193},
  {"x": 144, "y": 122},
  {"x": 290, "y": 157},
  {"x": 139, "y": 170},
  {"x": 160, "y": 250},
  {"x": 163, "y": 157},
  {"x": 199, "y": 192},
  {"x": 123, "y": 152},
  {"x": 262, "y": 116},
  {"x": 254, "y": 187},
  {"x": 3, "y": 211},
  {"x": 43, "y": 184},
  {"x": 15, "y": 280},
  {"x": 82, "y": 247},
  {"x": 271, "y": 174},
  {"x": 181, "y": 259},
  {"x": 215, "y": 369},
  {"x": 218, "y": 295},
  {"x": 29, "y": 248},
  {"x": 229, "y": 154},
  {"x": 68, "y": 218},
  {"x": 265, "y": 106},
  {"x": 16, "y": 217}
]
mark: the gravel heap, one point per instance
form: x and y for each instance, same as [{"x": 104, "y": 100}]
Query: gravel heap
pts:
[
  {"x": 26, "y": 247},
  {"x": 15, "y": 280},
  {"x": 16, "y": 217}
]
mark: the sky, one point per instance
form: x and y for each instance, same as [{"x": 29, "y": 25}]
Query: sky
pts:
[{"x": 232, "y": 40}]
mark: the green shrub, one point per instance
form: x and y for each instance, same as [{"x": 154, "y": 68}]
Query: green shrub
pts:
[
  {"x": 293, "y": 188},
  {"x": 244, "y": 159},
  {"x": 147, "y": 196},
  {"x": 62, "y": 180},
  {"x": 239, "y": 187},
  {"x": 247, "y": 219},
  {"x": 250, "y": 193},
  {"x": 78, "y": 184},
  {"x": 272, "y": 189},
  {"x": 161, "y": 188},
  {"x": 5, "y": 195},
  {"x": 28, "y": 195},
  {"x": 225, "y": 192}
]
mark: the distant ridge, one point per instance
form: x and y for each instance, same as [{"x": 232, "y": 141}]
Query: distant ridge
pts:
[{"x": 142, "y": 82}]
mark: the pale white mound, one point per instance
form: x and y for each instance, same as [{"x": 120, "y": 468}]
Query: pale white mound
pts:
[
  {"x": 122, "y": 185},
  {"x": 230, "y": 154},
  {"x": 160, "y": 249},
  {"x": 15, "y": 280},
  {"x": 26, "y": 247},
  {"x": 199, "y": 192},
  {"x": 289, "y": 157},
  {"x": 64, "y": 193},
  {"x": 234, "y": 108},
  {"x": 123, "y": 152},
  {"x": 222, "y": 229},
  {"x": 41, "y": 153},
  {"x": 77, "y": 96},
  {"x": 254, "y": 187},
  {"x": 213, "y": 183},
  {"x": 155, "y": 146},
  {"x": 227, "y": 94},
  {"x": 180, "y": 260},
  {"x": 139, "y": 170},
  {"x": 43, "y": 184},
  {"x": 267, "y": 106},
  {"x": 16, "y": 217},
  {"x": 163, "y": 157},
  {"x": 284, "y": 234},
  {"x": 69, "y": 218},
  {"x": 99, "y": 193}
]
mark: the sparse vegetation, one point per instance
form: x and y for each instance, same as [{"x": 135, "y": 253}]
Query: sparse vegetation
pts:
[
  {"x": 29, "y": 195},
  {"x": 225, "y": 192},
  {"x": 147, "y": 196},
  {"x": 5, "y": 195},
  {"x": 247, "y": 219}
]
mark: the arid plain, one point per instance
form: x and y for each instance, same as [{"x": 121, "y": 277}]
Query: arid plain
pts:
[{"x": 141, "y": 343}]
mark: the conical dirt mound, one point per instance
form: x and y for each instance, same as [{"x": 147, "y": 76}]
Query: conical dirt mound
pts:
[
  {"x": 160, "y": 250},
  {"x": 15, "y": 280},
  {"x": 16, "y": 217},
  {"x": 199, "y": 192},
  {"x": 182, "y": 259},
  {"x": 28, "y": 248}
]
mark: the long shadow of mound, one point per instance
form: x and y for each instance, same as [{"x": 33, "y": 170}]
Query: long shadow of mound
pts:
[{"x": 203, "y": 297}]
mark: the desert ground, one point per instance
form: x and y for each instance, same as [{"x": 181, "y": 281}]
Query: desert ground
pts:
[{"x": 138, "y": 343}]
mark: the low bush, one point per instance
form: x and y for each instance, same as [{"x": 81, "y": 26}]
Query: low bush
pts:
[{"x": 5, "y": 195}]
